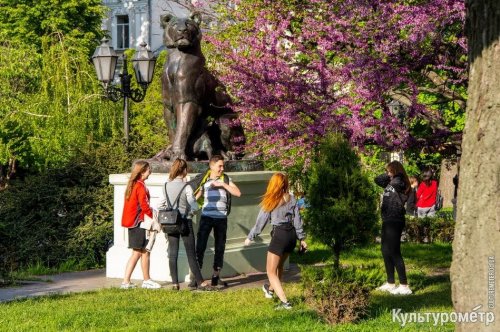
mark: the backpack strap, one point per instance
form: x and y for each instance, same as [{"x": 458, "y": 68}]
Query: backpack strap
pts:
[
  {"x": 203, "y": 180},
  {"x": 176, "y": 201},
  {"x": 179, "y": 196},
  {"x": 228, "y": 195},
  {"x": 166, "y": 196}
]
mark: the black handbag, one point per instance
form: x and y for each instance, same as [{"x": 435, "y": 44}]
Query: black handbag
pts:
[{"x": 170, "y": 218}]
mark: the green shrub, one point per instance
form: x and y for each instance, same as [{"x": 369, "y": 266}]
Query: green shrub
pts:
[
  {"x": 338, "y": 295},
  {"x": 64, "y": 214},
  {"x": 342, "y": 202},
  {"x": 430, "y": 229}
]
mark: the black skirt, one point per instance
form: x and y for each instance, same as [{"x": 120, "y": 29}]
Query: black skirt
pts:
[
  {"x": 137, "y": 238},
  {"x": 284, "y": 239}
]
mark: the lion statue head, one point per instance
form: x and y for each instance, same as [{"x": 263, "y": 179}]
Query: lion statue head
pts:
[{"x": 181, "y": 32}]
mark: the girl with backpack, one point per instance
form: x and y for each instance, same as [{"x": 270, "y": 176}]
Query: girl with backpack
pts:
[{"x": 180, "y": 194}]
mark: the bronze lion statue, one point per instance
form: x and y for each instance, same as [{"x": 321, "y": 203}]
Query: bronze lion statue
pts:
[{"x": 196, "y": 108}]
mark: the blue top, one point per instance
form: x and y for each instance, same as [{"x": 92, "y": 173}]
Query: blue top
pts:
[{"x": 288, "y": 212}]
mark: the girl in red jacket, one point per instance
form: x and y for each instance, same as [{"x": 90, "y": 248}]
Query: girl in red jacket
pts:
[
  {"x": 135, "y": 208},
  {"x": 426, "y": 195}
]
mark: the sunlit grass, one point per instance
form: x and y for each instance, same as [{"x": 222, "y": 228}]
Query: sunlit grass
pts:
[{"x": 242, "y": 309}]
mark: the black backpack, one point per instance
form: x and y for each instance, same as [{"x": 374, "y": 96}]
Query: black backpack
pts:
[
  {"x": 199, "y": 180},
  {"x": 170, "y": 217}
]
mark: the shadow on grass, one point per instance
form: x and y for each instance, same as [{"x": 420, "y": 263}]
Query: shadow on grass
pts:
[
  {"x": 420, "y": 281},
  {"x": 428, "y": 256},
  {"x": 312, "y": 256},
  {"x": 436, "y": 255},
  {"x": 438, "y": 296}
]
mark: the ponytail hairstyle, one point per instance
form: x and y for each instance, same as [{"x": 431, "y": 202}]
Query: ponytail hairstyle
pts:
[
  {"x": 179, "y": 167},
  {"x": 396, "y": 168},
  {"x": 275, "y": 192},
  {"x": 140, "y": 167}
]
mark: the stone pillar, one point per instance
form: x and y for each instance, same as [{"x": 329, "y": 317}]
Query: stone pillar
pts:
[{"x": 237, "y": 259}]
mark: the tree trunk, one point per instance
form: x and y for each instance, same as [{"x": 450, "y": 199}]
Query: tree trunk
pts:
[
  {"x": 448, "y": 171},
  {"x": 476, "y": 248}
]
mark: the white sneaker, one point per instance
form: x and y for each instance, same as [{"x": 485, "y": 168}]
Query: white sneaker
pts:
[
  {"x": 127, "y": 285},
  {"x": 387, "y": 287},
  {"x": 150, "y": 284},
  {"x": 267, "y": 292},
  {"x": 401, "y": 290}
]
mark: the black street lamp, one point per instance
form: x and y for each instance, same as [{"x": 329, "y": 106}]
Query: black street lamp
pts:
[
  {"x": 398, "y": 110},
  {"x": 105, "y": 60}
]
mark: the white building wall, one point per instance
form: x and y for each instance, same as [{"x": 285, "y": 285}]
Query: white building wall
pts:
[{"x": 144, "y": 20}]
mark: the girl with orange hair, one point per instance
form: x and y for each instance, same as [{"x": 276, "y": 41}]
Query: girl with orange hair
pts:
[{"x": 279, "y": 207}]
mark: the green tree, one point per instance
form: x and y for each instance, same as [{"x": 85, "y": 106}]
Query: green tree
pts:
[
  {"x": 52, "y": 104},
  {"x": 476, "y": 249},
  {"x": 30, "y": 20},
  {"x": 342, "y": 199}
]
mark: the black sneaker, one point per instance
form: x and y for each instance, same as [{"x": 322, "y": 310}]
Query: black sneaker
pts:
[
  {"x": 284, "y": 306},
  {"x": 215, "y": 280},
  {"x": 267, "y": 292},
  {"x": 192, "y": 285}
]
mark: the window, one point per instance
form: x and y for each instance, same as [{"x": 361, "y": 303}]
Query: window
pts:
[{"x": 122, "y": 32}]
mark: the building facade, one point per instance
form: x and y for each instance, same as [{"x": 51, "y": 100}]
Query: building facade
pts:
[{"x": 131, "y": 22}]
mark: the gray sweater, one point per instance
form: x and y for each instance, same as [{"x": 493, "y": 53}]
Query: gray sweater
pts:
[
  {"x": 187, "y": 202},
  {"x": 278, "y": 216}
]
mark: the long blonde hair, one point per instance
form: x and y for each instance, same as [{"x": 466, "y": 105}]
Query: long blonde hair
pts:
[
  {"x": 276, "y": 190},
  {"x": 139, "y": 168}
]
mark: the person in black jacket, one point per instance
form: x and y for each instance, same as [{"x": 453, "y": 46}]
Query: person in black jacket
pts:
[
  {"x": 411, "y": 203},
  {"x": 396, "y": 189}
]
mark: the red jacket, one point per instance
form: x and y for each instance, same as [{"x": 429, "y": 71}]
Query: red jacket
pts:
[
  {"x": 426, "y": 195},
  {"x": 136, "y": 206}
]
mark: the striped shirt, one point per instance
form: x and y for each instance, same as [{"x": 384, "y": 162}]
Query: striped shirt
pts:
[{"x": 215, "y": 200}]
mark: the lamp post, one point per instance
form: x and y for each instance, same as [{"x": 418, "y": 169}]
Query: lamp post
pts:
[
  {"x": 105, "y": 60},
  {"x": 397, "y": 109}
]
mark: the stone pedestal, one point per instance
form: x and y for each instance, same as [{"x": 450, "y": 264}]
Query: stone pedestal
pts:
[{"x": 237, "y": 259}]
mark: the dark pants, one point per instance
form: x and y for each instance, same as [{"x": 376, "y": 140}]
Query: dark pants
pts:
[
  {"x": 391, "y": 251},
  {"x": 173, "y": 253},
  {"x": 219, "y": 225}
]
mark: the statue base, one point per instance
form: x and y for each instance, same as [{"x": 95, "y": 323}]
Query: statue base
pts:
[{"x": 238, "y": 258}]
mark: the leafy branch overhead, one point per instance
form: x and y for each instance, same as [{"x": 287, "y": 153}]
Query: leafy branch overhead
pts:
[{"x": 300, "y": 69}]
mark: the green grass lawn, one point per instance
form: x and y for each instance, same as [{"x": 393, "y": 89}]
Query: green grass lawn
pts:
[{"x": 239, "y": 310}]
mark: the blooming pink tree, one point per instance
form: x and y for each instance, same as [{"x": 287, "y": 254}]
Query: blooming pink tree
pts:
[{"x": 298, "y": 70}]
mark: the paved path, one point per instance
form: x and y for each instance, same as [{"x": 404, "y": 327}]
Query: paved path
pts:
[{"x": 96, "y": 279}]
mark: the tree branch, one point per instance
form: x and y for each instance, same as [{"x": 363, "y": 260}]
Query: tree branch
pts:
[{"x": 442, "y": 89}]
